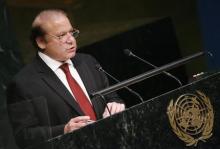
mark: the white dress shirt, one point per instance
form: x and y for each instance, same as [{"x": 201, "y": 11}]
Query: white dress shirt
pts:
[{"x": 55, "y": 67}]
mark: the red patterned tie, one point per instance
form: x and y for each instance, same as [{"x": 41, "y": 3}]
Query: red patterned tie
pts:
[{"x": 81, "y": 98}]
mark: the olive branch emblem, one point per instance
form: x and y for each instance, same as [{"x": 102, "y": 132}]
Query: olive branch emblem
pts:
[{"x": 191, "y": 118}]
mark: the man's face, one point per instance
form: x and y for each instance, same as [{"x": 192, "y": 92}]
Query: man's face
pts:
[{"x": 58, "y": 42}]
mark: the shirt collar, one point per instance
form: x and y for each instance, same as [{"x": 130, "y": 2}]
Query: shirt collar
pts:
[{"x": 52, "y": 63}]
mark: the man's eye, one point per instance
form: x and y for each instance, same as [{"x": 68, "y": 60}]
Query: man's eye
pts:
[{"x": 62, "y": 35}]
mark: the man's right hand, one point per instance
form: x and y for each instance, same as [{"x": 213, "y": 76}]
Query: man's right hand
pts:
[{"x": 76, "y": 123}]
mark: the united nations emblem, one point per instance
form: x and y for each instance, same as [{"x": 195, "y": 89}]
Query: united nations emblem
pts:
[{"x": 191, "y": 117}]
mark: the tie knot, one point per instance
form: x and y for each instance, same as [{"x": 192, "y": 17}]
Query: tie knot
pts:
[{"x": 65, "y": 68}]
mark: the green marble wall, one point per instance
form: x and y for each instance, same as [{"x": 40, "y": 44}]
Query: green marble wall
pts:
[{"x": 9, "y": 65}]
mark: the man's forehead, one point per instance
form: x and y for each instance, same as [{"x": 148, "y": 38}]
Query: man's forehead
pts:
[{"x": 48, "y": 16}]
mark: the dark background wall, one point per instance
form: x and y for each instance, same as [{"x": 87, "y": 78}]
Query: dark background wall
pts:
[
  {"x": 10, "y": 64},
  {"x": 101, "y": 19},
  {"x": 155, "y": 42},
  {"x": 160, "y": 31}
]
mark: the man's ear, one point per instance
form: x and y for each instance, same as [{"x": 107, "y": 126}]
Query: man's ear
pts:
[{"x": 41, "y": 42}]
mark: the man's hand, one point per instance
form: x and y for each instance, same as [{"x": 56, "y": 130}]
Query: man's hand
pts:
[
  {"x": 76, "y": 123},
  {"x": 113, "y": 107}
]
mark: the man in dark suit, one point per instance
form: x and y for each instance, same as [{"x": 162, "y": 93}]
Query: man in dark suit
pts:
[{"x": 42, "y": 100}]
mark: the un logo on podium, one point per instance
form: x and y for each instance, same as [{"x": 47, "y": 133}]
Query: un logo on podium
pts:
[{"x": 191, "y": 117}]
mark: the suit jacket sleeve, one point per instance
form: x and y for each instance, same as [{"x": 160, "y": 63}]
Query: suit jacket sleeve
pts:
[{"x": 23, "y": 114}]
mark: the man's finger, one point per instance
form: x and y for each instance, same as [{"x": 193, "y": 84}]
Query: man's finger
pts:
[{"x": 80, "y": 118}]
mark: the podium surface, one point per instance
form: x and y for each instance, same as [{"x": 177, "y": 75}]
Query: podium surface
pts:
[{"x": 187, "y": 117}]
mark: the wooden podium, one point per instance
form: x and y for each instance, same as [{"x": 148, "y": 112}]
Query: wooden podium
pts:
[{"x": 187, "y": 117}]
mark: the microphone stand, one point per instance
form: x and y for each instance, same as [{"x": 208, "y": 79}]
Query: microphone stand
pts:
[
  {"x": 129, "y": 53},
  {"x": 147, "y": 74},
  {"x": 112, "y": 77}
]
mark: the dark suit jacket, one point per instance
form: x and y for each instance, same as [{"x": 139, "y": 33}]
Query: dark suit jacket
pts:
[{"x": 39, "y": 105}]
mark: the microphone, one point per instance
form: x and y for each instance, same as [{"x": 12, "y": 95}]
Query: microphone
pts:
[
  {"x": 99, "y": 68},
  {"x": 129, "y": 53}
]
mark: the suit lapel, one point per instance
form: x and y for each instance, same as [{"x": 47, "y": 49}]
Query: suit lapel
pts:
[
  {"x": 54, "y": 82},
  {"x": 85, "y": 74}
]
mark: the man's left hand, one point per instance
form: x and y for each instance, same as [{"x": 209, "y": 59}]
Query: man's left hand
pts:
[{"x": 113, "y": 107}]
